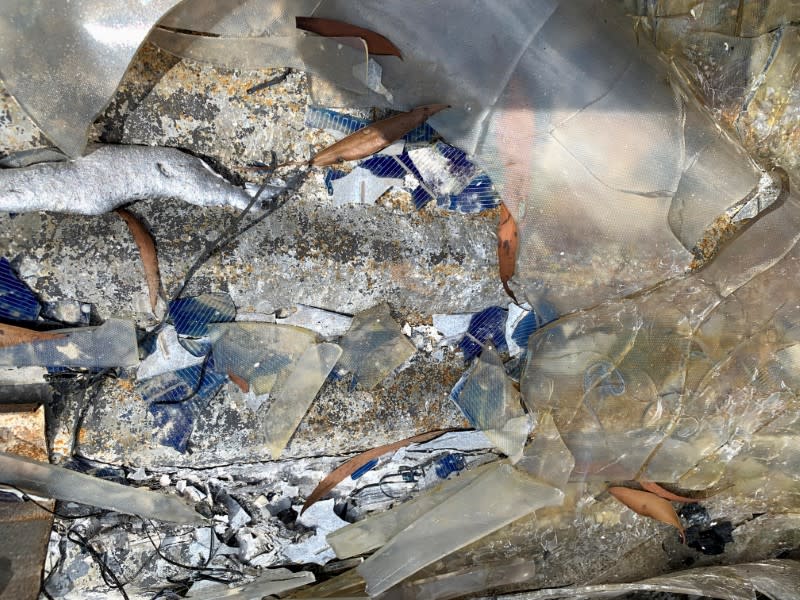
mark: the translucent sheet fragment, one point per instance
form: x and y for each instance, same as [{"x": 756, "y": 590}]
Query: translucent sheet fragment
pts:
[
  {"x": 374, "y": 346},
  {"x": 62, "y": 484},
  {"x": 292, "y": 397},
  {"x": 112, "y": 344},
  {"x": 692, "y": 381},
  {"x": 78, "y": 52},
  {"x": 497, "y": 497},
  {"x": 777, "y": 579},
  {"x": 377, "y": 529},
  {"x": 491, "y": 403},
  {"x": 259, "y": 353}
]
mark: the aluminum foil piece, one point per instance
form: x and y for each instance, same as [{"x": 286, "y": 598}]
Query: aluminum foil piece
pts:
[{"x": 111, "y": 176}]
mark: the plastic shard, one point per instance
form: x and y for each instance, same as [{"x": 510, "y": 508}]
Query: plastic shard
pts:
[
  {"x": 500, "y": 495},
  {"x": 490, "y": 402},
  {"x": 17, "y": 301},
  {"x": 63, "y": 484},
  {"x": 259, "y": 353},
  {"x": 112, "y": 344},
  {"x": 374, "y": 346},
  {"x": 292, "y": 397}
]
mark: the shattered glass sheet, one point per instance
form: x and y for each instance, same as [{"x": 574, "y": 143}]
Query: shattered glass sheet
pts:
[
  {"x": 718, "y": 343},
  {"x": 79, "y": 51},
  {"x": 374, "y": 346},
  {"x": 587, "y": 212},
  {"x": 112, "y": 344}
]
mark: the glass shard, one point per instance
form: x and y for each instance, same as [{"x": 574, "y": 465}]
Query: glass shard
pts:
[
  {"x": 490, "y": 402},
  {"x": 291, "y": 398},
  {"x": 259, "y": 353},
  {"x": 62, "y": 484},
  {"x": 191, "y": 316},
  {"x": 374, "y": 346},
  {"x": 112, "y": 344}
]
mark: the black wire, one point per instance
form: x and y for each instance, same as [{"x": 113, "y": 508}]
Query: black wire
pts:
[
  {"x": 25, "y": 496},
  {"x": 228, "y": 235},
  {"x": 157, "y": 548},
  {"x": 105, "y": 570}
]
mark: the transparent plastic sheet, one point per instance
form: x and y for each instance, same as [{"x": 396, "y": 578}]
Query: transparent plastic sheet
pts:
[
  {"x": 693, "y": 371},
  {"x": 776, "y": 579},
  {"x": 112, "y": 344},
  {"x": 343, "y": 60},
  {"x": 62, "y": 61},
  {"x": 62, "y": 484},
  {"x": 500, "y": 495}
]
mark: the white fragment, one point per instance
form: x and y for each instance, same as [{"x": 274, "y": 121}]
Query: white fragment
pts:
[
  {"x": 168, "y": 356},
  {"x": 315, "y": 549},
  {"x": 164, "y": 481},
  {"x": 139, "y": 475},
  {"x": 326, "y": 323},
  {"x": 452, "y": 326},
  {"x": 515, "y": 314},
  {"x": 360, "y": 186}
]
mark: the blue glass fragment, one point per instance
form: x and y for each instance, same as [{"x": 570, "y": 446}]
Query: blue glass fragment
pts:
[
  {"x": 477, "y": 196},
  {"x": 382, "y": 165},
  {"x": 17, "y": 301},
  {"x": 487, "y": 325},
  {"x": 191, "y": 316},
  {"x": 364, "y": 469},
  {"x": 332, "y": 175},
  {"x": 174, "y": 399},
  {"x": 450, "y": 463},
  {"x": 325, "y": 118},
  {"x": 196, "y": 346},
  {"x": 420, "y": 197}
]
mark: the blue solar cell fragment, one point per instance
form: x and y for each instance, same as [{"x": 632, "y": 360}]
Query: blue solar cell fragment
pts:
[
  {"x": 449, "y": 464},
  {"x": 364, "y": 469},
  {"x": 332, "y": 175},
  {"x": 176, "y": 397},
  {"x": 17, "y": 301},
  {"x": 325, "y": 118},
  {"x": 487, "y": 325},
  {"x": 191, "y": 316}
]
